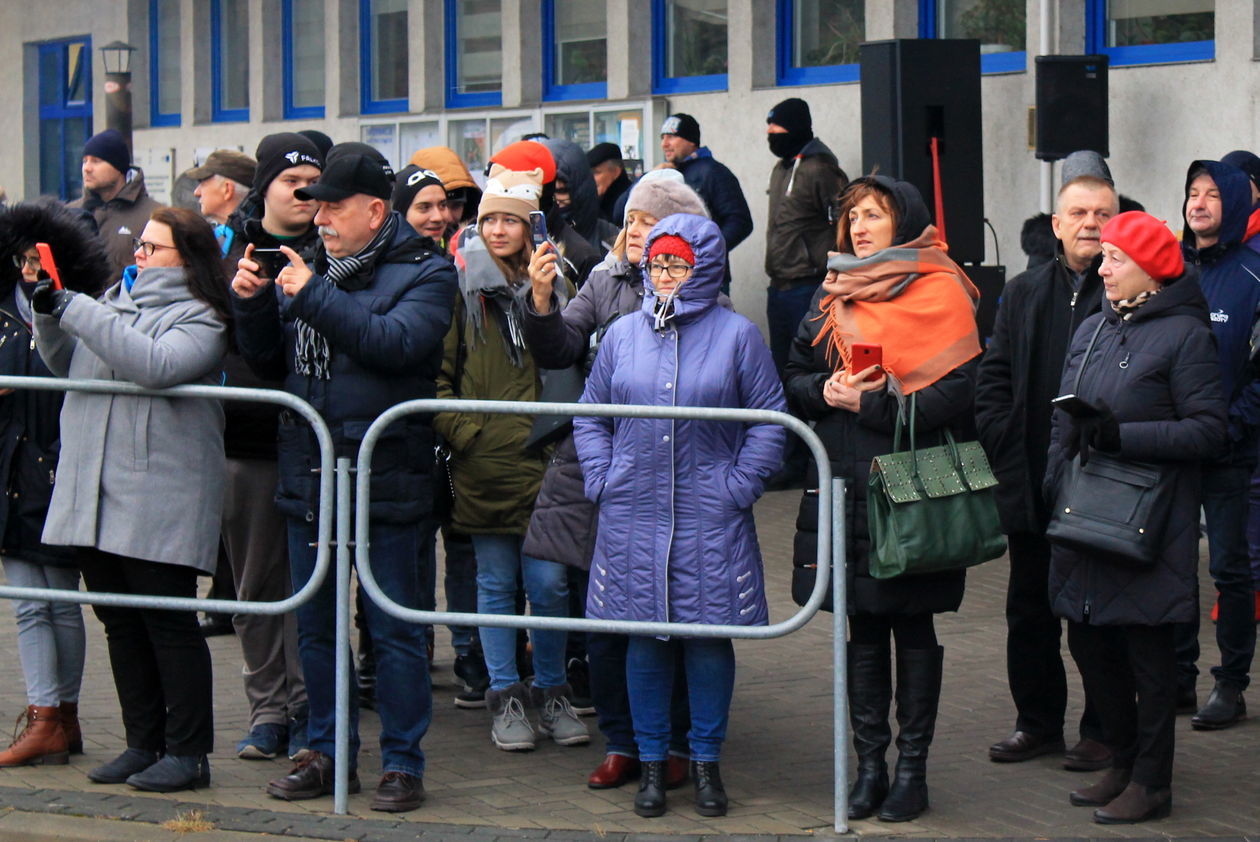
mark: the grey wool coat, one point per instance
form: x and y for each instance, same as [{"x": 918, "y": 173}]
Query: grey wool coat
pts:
[{"x": 140, "y": 477}]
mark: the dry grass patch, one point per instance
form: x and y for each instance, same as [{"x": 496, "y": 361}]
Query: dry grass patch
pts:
[{"x": 193, "y": 821}]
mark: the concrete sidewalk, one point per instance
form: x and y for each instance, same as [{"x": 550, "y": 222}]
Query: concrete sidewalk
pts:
[{"x": 777, "y": 764}]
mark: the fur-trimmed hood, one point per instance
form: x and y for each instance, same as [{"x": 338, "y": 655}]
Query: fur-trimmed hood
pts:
[{"x": 81, "y": 257}]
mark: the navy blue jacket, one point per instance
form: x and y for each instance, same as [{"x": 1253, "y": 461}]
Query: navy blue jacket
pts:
[
  {"x": 1230, "y": 279},
  {"x": 385, "y": 330},
  {"x": 722, "y": 195}
]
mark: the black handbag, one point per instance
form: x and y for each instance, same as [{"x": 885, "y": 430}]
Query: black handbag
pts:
[{"x": 1111, "y": 508}]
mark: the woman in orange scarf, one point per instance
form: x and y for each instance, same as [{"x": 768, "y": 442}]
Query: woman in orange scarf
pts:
[{"x": 892, "y": 285}]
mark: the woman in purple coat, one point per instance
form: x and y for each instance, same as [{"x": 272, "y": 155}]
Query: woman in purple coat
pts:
[{"x": 676, "y": 540}]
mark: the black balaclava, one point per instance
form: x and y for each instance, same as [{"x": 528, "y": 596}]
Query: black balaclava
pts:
[{"x": 793, "y": 115}]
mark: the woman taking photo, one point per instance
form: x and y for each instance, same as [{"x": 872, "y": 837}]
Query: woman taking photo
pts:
[
  {"x": 676, "y": 540},
  {"x": 1150, "y": 368},
  {"x": 563, "y": 525},
  {"x": 891, "y": 285},
  {"x": 496, "y": 479},
  {"x": 140, "y": 483},
  {"x": 50, "y": 634}
]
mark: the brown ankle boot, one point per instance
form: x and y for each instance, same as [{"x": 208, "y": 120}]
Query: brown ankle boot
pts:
[
  {"x": 1101, "y": 793},
  {"x": 70, "y": 724},
  {"x": 41, "y": 741},
  {"x": 1137, "y": 803}
]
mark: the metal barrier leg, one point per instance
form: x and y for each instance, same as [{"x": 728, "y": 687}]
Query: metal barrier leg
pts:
[
  {"x": 839, "y": 666},
  {"x": 341, "y": 774}
]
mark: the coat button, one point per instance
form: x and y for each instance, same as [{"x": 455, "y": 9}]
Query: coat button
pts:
[
  {"x": 669, "y": 385},
  {"x": 664, "y": 438}
]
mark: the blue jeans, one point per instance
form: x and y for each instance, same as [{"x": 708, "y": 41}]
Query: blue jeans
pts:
[
  {"x": 404, "y": 695},
  {"x": 710, "y": 667},
  {"x": 606, "y": 654},
  {"x": 1225, "y": 492},
  {"x": 499, "y": 559},
  {"x": 785, "y": 308}
]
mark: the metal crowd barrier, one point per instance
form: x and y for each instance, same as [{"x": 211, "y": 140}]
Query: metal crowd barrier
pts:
[{"x": 831, "y": 544}]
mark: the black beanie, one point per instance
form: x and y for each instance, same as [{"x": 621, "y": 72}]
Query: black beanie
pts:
[
  {"x": 683, "y": 125},
  {"x": 602, "y": 152},
  {"x": 278, "y": 152},
  {"x": 111, "y": 148},
  {"x": 322, "y": 141},
  {"x": 1245, "y": 161},
  {"x": 793, "y": 115},
  {"x": 410, "y": 181}
]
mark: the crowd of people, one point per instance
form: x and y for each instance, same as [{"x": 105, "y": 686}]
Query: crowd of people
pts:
[{"x": 313, "y": 268}]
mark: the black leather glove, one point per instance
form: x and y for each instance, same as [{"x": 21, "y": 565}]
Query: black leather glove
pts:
[
  {"x": 1098, "y": 432},
  {"x": 50, "y": 301}
]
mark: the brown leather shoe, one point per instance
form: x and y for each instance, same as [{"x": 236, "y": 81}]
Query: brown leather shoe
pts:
[
  {"x": 1021, "y": 746},
  {"x": 310, "y": 778},
  {"x": 1087, "y": 756},
  {"x": 398, "y": 792},
  {"x": 1137, "y": 803},
  {"x": 42, "y": 741},
  {"x": 70, "y": 724},
  {"x": 616, "y": 770},
  {"x": 1103, "y": 792},
  {"x": 677, "y": 770}
]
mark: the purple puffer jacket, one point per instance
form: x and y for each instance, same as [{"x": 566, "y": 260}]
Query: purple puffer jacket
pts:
[{"x": 676, "y": 539}]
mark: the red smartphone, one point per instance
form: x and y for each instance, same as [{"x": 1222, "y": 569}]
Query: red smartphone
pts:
[
  {"x": 866, "y": 355},
  {"x": 47, "y": 263}
]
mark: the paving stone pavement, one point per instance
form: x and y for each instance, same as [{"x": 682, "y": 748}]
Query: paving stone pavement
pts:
[{"x": 777, "y": 764}]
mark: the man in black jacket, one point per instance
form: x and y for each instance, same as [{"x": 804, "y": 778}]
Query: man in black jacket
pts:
[
  {"x": 1039, "y": 312},
  {"x": 353, "y": 332}
]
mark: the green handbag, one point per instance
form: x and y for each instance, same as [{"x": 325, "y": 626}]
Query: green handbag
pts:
[{"x": 932, "y": 509}]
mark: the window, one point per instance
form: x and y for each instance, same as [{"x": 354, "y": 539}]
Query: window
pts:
[
  {"x": 164, "y": 62},
  {"x": 383, "y": 64},
  {"x": 303, "y": 25},
  {"x": 575, "y": 49},
  {"x": 1150, "y": 31},
  {"x": 688, "y": 46},
  {"x": 474, "y": 53},
  {"x": 229, "y": 60},
  {"x": 999, "y": 25},
  {"x": 818, "y": 40},
  {"x": 65, "y": 115}
]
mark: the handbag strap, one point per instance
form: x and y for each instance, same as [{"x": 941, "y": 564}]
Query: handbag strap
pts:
[
  {"x": 1076, "y": 384},
  {"x": 902, "y": 421}
]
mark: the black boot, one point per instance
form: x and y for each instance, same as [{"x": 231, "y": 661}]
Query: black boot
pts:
[
  {"x": 650, "y": 800},
  {"x": 870, "y": 694},
  {"x": 365, "y": 671},
  {"x": 918, "y": 695},
  {"x": 710, "y": 794}
]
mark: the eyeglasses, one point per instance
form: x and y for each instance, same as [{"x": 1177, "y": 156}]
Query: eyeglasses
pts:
[
  {"x": 677, "y": 271},
  {"x": 147, "y": 247},
  {"x": 21, "y": 260}
]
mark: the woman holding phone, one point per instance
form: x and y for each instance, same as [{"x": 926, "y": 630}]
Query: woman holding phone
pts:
[
  {"x": 139, "y": 488},
  {"x": 893, "y": 286}
]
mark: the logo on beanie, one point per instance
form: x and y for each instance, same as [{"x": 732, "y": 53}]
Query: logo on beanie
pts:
[
  {"x": 670, "y": 126},
  {"x": 297, "y": 156},
  {"x": 420, "y": 175},
  {"x": 526, "y": 191}
]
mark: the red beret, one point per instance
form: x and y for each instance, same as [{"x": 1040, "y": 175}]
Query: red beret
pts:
[
  {"x": 526, "y": 155},
  {"x": 672, "y": 244},
  {"x": 1148, "y": 242}
]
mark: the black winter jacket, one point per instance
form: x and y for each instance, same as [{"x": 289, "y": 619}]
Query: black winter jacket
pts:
[
  {"x": 385, "y": 329},
  {"x": 722, "y": 195},
  {"x": 799, "y": 227},
  {"x": 1158, "y": 372},
  {"x": 852, "y": 441},
  {"x": 1019, "y": 374}
]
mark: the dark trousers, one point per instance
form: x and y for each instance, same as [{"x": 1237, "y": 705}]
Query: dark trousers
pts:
[
  {"x": 785, "y": 308},
  {"x": 1034, "y": 662},
  {"x": 1225, "y": 502},
  {"x": 1131, "y": 674},
  {"x": 160, "y": 661},
  {"x": 607, "y": 657}
]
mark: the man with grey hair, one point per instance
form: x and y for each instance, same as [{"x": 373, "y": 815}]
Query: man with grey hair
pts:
[
  {"x": 1019, "y": 374},
  {"x": 222, "y": 182}
]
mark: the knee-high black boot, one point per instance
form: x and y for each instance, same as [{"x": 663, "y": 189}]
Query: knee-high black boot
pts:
[
  {"x": 918, "y": 697},
  {"x": 870, "y": 694}
]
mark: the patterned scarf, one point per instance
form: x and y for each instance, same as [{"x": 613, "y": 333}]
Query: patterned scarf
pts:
[
  {"x": 312, "y": 356},
  {"x": 912, "y": 300},
  {"x": 1128, "y": 306}
]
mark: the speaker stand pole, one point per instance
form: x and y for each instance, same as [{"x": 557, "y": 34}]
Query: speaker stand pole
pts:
[{"x": 1047, "y": 167}]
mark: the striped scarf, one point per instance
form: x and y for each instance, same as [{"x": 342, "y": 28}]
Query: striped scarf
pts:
[{"x": 312, "y": 356}]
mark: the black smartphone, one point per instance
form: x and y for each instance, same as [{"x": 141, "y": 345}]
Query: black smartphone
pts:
[
  {"x": 270, "y": 261},
  {"x": 538, "y": 227},
  {"x": 1075, "y": 406}
]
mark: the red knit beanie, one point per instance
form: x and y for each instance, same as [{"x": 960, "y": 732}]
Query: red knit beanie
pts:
[
  {"x": 1148, "y": 242},
  {"x": 526, "y": 155},
  {"x": 674, "y": 245}
]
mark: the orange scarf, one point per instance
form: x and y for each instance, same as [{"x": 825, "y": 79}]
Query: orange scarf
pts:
[{"x": 912, "y": 300}]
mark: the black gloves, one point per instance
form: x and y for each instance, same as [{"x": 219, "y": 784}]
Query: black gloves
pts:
[
  {"x": 49, "y": 301},
  {"x": 1098, "y": 432}
]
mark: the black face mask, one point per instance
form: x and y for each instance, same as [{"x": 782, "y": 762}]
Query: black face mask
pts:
[{"x": 786, "y": 144}]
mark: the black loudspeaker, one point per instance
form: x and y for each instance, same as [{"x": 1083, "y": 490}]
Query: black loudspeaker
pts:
[
  {"x": 1071, "y": 105},
  {"x": 989, "y": 280},
  {"x": 917, "y": 89}
]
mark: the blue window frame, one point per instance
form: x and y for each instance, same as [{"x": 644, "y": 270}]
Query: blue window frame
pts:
[
  {"x": 474, "y": 58},
  {"x": 1001, "y": 61},
  {"x": 793, "y": 64},
  {"x": 1099, "y": 39},
  {"x": 164, "y": 57},
  {"x": 383, "y": 56},
  {"x": 575, "y": 55},
  {"x": 303, "y": 58},
  {"x": 65, "y": 115},
  {"x": 704, "y": 43},
  {"x": 229, "y": 61}
]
